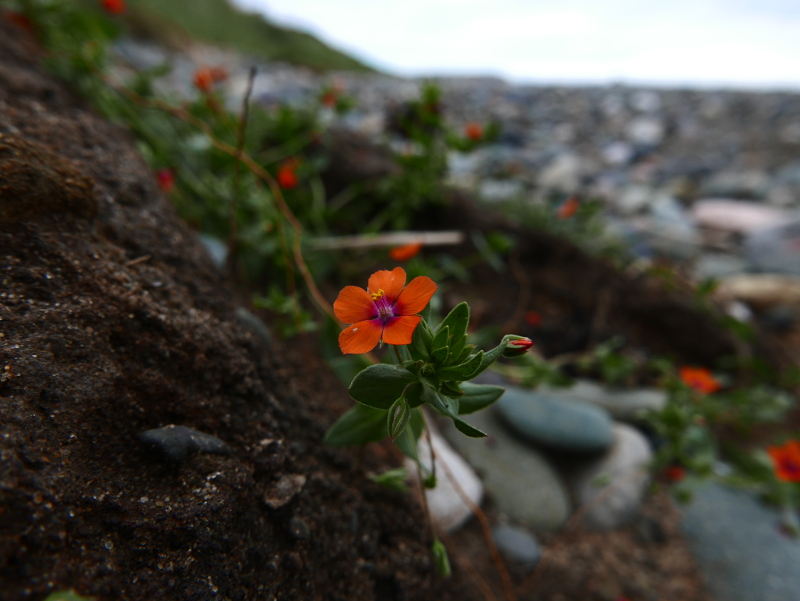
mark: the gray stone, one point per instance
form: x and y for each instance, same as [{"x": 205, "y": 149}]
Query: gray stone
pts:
[
  {"x": 556, "y": 420},
  {"x": 775, "y": 250},
  {"x": 718, "y": 265},
  {"x": 524, "y": 485},
  {"x": 670, "y": 230},
  {"x": 517, "y": 544},
  {"x": 736, "y": 215},
  {"x": 626, "y": 405},
  {"x": 448, "y": 510},
  {"x": 175, "y": 443},
  {"x": 284, "y": 490},
  {"x": 613, "y": 486},
  {"x": 739, "y": 548},
  {"x": 253, "y": 323},
  {"x": 216, "y": 249}
]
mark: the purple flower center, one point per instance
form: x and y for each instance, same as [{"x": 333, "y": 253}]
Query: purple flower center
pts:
[{"x": 384, "y": 308}]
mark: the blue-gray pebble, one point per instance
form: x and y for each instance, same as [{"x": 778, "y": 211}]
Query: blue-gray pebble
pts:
[
  {"x": 517, "y": 544},
  {"x": 556, "y": 421},
  {"x": 175, "y": 443}
]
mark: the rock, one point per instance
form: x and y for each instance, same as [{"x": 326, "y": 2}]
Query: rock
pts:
[
  {"x": 556, "y": 420},
  {"x": 669, "y": 230},
  {"x": 563, "y": 174},
  {"x": 718, "y": 265},
  {"x": 739, "y": 548},
  {"x": 498, "y": 190},
  {"x": 284, "y": 490},
  {"x": 447, "y": 508},
  {"x": 736, "y": 215},
  {"x": 517, "y": 544},
  {"x": 633, "y": 199},
  {"x": 761, "y": 290},
  {"x": 253, "y": 323},
  {"x": 524, "y": 485},
  {"x": 216, "y": 249},
  {"x": 622, "y": 404},
  {"x": 775, "y": 250},
  {"x": 614, "y": 485},
  {"x": 175, "y": 443},
  {"x": 736, "y": 184},
  {"x": 646, "y": 130},
  {"x": 780, "y": 318}
]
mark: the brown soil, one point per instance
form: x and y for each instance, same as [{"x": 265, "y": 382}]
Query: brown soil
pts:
[{"x": 114, "y": 322}]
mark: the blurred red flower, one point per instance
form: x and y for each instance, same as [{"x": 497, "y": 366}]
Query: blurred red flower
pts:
[
  {"x": 569, "y": 208},
  {"x": 287, "y": 177},
  {"x": 115, "y": 7},
  {"x": 18, "y": 19},
  {"x": 533, "y": 318},
  {"x": 166, "y": 179},
  {"x": 786, "y": 460},
  {"x": 700, "y": 379},
  {"x": 675, "y": 473},
  {"x": 474, "y": 131},
  {"x": 405, "y": 252}
]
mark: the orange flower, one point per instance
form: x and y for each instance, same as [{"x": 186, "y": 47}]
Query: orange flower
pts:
[
  {"x": 474, "y": 131},
  {"x": 569, "y": 208},
  {"x": 787, "y": 461},
  {"x": 384, "y": 312},
  {"x": 405, "y": 252},
  {"x": 700, "y": 379},
  {"x": 115, "y": 7},
  {"x": 203, "y": 80},
  {"x": 287, "y": 178}
]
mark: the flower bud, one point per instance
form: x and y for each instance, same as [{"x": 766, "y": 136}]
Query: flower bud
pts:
[{"x": 517, "y": 348}]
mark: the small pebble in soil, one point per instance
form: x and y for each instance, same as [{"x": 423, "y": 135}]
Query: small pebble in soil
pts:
[
  {"x": 517, "y": 544},
  {"x": 298, "y": 528},
  {"x": 175, "y": 443},
  {"x": 284, "y": 490}
]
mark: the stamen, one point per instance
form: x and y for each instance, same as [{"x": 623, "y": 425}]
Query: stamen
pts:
[{"x": 378, "y": 295}]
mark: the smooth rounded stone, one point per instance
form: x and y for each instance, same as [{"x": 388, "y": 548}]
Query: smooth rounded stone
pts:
[
  {"x": 175, "y": 443},
  {"x": 614, "y": 486},
  {"x": 517, "y": 544},
  {"x": 523, "y": 483},
  {"x": 736, "y": 215},
  {"x": 670, "y": 230},
  {"x": 556, "y": 419},
  {"x": 774, "y": 250},
  {"x": 761, "y": 290},
  {"x": 284, "y": 490},
  {"x": 739, "y": 548},
  {"x": 562, "y": 174},
  {"x": 448, "y": 509},
  {"x": 216, "y": 249},
  {"x": 253, "y": 323},
  {"x": 627, "y": 405},
  {"x": 718, "y": 265}
]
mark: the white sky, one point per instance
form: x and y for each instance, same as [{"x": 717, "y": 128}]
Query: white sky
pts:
[{"x": 753, "y": 43}]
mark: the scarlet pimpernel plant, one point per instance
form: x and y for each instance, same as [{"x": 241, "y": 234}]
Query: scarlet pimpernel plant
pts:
[{"x": 433, "y": 364}]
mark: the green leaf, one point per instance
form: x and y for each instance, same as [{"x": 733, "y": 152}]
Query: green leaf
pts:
[
  {"x": 359, "y": 426},
  {"x": 465, "y": 428},
  {"x": 457, "y": 320},
  {"x": 66, "y": 596},
  {"x": 413, "y": 394},
  {"x": 380, "y": 385},
  {"x": 493, "y": 355},
  {"x": 392, "y": 479},
  {"x": 441, "y": 339},
  {"x": 456, "y": 349},
  {"x": 452, "y": 390},
  {"x": 398, "y": 417},
  {"x": 478, "y": 396},
  {"x": 407, "y": 441},
  {"x": 440, "y": 558},
  {"x": 442, "y": 405},
  {"x": 464, "y": 354},
  {"x": 462, "y": 372},
  {"x": 422, "y": 340}
]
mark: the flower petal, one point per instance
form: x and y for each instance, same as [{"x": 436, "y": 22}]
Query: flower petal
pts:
[
  {"x": 353, "y": 305},
  {"x": 399, "y": 330},
  {"x": 415, "y": 296},
  {"x": 391, "y": 282},
  {"x": 361, "y": 337}
]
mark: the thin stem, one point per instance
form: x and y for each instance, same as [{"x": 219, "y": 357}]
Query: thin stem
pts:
[{"x": 237, "y": 169}]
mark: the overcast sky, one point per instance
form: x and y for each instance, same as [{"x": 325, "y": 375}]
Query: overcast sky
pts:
[{"x": 753, "y": 43}]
